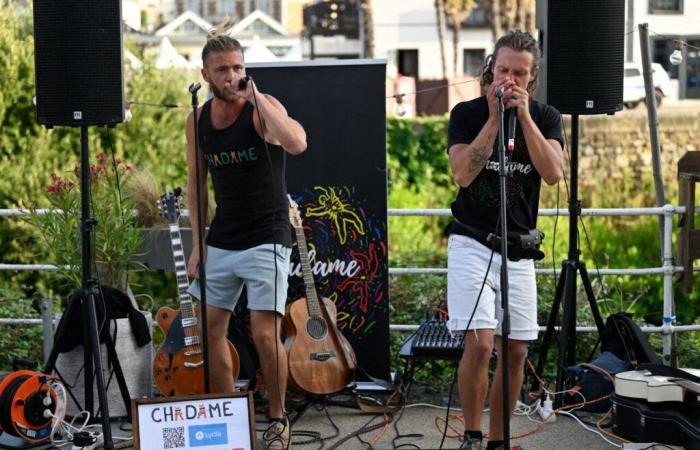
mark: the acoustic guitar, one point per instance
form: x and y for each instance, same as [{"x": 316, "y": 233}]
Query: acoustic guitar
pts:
[
  {"x": 321, "y": 360},
  {"x": 642, "y": 384},
  {"x": 178, "y": 367}
]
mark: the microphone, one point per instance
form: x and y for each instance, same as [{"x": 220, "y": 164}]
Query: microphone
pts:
[
  {"x": 194, "y": 87},
  {"x": 511, "y": 130},
  {"x": 499, "y": 91},
  {"x": 243, "y": 83}
]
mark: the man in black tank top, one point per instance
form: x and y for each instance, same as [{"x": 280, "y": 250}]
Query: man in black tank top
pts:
[{"x": 244, "y": 137}]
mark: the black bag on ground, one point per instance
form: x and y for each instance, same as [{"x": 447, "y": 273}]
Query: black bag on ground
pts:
[{"x": 626, "y": 340}]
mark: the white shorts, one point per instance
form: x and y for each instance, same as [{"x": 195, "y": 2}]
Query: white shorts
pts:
[{"x": 467, "y": 260}]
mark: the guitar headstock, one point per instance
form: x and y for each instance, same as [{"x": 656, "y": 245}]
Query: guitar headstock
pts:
[
  {"x": 294, "y": 215},
  {"x": 170, "y": 205}
]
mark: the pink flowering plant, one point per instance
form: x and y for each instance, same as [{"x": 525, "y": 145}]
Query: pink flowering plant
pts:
[{"x": 116, "y": 236}]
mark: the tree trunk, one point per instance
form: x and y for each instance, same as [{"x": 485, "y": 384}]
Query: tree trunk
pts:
[
  {"x": 456, "y": 25},
  {"x": 442, "y": 32},
  {"x": 510, "y": 16},
  {"x": 526, "y": 15},
  {"x": 368, "y": 25},
  {"x": 496, "y": 18}
]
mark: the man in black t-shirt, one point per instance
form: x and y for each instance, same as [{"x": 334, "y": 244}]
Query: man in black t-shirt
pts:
[
  {"x": 473, "y": 294},
  {"x": 244, "y": 137}
]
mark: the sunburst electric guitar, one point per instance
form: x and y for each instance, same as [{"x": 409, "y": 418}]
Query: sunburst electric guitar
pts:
[
  {"x": 178, "y": 367},
  {"x": 321, "y": 360}
]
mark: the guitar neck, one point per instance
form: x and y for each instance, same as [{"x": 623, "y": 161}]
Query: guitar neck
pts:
[
  {"x": 311, "y": 296},
  {"x": 186, "y": 306}
]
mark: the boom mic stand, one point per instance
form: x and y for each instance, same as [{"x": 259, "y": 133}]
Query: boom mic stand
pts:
[
  {"x": 566, "y": 288},
  {"x": 505, "y": 323},
  {"x": 194, "y": 87}
]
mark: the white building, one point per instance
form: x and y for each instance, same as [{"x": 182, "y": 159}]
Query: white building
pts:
[
  {"x": 406, "y": 33},
  {"x": 667, "y": 20}
]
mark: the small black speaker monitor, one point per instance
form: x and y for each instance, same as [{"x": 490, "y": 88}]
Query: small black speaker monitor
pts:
[
  {"x": 78, "y": 62},
  {"x": 584, "y": 53}
]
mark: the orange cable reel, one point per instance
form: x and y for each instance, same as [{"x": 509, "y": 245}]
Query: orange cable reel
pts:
[{"x": 27, "y": 405}]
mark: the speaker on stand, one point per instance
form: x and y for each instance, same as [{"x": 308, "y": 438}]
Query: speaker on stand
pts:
[
  {"x": 78, "y": 60},
  {"x": 79, "y": 82},
  {"x": 583, "y": 52}
]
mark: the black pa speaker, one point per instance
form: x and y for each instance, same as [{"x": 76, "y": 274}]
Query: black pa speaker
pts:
[
  {"x": 78, "y": 62},
  {"x": 584, "y": 52}
]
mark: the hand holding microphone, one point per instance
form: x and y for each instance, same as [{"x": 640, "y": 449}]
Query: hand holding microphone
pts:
[{"x": 243, "y": 83}]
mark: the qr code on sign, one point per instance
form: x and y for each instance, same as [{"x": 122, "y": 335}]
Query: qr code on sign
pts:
[{"x": 174, "y": 437}]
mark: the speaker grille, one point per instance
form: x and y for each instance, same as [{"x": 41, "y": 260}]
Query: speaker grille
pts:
[
  {"x": 78, "y": 61},
  {"x": 585, "y": 55}
]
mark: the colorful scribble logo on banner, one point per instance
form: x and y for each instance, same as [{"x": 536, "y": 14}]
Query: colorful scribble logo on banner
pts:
[
  {"x": 348, "y": 256},
  {"x": 214, "y": 434}
]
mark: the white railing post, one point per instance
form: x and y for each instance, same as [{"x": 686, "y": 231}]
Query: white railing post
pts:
[
  {"x": 669, "y": 319},
  {"x": 47, "y": 325}
]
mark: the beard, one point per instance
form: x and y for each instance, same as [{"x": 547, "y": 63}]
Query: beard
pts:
[{"x": 222, "y": 94}]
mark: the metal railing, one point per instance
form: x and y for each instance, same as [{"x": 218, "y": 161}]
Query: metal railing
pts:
[{"x": 667, "y": 269}]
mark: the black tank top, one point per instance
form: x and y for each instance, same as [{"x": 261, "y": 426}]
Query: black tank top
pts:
[{"x": 248, "y": 212}]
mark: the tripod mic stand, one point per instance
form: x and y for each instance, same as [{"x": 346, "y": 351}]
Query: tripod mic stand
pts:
[
  {"x": 85, "y": 297},
  {"x": 566, "y": 288}
]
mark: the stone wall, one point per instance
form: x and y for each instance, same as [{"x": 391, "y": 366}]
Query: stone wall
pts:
[{"x": 619, "y": 146}]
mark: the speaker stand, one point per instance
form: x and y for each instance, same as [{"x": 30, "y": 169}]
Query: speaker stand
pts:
[
  {"x": 89, "y": 291},
  {"x": 565, "y": 293}
]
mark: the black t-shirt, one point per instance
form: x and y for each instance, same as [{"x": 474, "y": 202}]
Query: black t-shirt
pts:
[
  {"x": 248, "y": 213},
  {"x": 478, "y": 205}
]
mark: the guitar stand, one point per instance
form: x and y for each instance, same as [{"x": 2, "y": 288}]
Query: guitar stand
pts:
[{"x": 324, "y": 400}]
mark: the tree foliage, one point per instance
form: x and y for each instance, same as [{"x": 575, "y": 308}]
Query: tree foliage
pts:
[{"x": 152, "y": 141}]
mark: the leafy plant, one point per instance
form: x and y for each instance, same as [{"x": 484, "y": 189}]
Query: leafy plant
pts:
[
  {"x": 116, "y": 235},
  {"x": 21, "y": 341}
]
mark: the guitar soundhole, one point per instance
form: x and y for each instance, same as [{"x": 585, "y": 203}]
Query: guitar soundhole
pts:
[{"x": 316, "y": 328}]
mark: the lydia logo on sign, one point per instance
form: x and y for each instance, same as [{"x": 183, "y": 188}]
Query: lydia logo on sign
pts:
[{"x": 213, "y": 434}]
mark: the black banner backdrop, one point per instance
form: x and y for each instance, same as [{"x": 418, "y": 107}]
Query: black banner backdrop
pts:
[{"x": 340, "y": 185}]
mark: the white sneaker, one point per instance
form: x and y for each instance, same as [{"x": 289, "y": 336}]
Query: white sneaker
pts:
[{"x": 276, "y": 437}]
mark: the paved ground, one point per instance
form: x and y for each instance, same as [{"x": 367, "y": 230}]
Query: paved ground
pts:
[{"x": 416, "y": 429}]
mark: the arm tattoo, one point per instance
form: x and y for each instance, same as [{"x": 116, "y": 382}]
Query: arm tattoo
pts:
[{"x": 477, "y": 158}]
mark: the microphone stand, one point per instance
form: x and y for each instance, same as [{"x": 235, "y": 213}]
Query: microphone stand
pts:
[
  {"x": 200, "y": 241},
  {"x": 505, "y": 323}
]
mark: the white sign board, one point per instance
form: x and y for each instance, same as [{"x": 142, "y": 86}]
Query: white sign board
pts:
[{"x": 205, "y": 422}]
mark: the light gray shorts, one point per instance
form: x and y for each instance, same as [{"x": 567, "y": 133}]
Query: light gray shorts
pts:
[
  {"x": 227, "y": 271},
  {"x": 467, "y": 260}
]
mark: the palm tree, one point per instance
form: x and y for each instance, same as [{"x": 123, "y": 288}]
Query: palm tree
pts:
[
  {"x": 458, "y": 10},
  {"x": 442, "y": 32}
]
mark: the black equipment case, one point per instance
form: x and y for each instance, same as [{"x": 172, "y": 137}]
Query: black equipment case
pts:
[{"x": 673, "y": 423}]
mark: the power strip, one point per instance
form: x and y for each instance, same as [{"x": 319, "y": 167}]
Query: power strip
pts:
[{"x": 545, "y": 411}]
